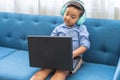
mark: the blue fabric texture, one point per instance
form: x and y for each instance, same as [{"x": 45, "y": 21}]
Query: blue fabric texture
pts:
[
  {"x": 16, "y": 66},
  {"x": 105, "y": 41},
  {"x": 5, "y": 51},
  {"x": 101, "y": 60},
  {"x": 92, "y": 71}
]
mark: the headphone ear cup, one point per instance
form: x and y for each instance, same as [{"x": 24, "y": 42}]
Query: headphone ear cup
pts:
[
  {"x": 81, "y": 19},
  {"x": 63, "y": 10}
]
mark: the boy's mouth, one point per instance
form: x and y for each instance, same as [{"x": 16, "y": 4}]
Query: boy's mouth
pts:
[{"x": 67, "y": 22}]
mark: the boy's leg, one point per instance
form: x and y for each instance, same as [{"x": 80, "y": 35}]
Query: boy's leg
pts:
[
  {"x": 60, "y": 75},
  {"x": 41, "y": 75}
]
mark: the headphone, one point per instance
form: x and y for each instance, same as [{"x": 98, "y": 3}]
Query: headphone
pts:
[{"x": 81, "y": 5}]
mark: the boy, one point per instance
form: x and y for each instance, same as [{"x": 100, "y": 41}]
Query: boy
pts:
[{"x": 74, "y": 15}]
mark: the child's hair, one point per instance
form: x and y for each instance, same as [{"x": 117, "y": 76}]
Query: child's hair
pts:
[
  {"x": 79, "y": 8},
  {"x": 78, "y": 5}
]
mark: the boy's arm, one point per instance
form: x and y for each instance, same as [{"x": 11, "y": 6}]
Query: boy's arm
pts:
[
  {"x": 54, "y": 32},
  {"x": 84, "y": 42},
  {"x": 79, "y": 51}
]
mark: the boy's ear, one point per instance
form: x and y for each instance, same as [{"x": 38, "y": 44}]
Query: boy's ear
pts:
[{"x": 82, "y": 18}]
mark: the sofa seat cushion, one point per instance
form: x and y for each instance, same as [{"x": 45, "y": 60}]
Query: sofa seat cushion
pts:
[
  {"x": 6, "y": 51},
  {"x": 92, "y": 71},
  {"x": 16, "y": 67}
]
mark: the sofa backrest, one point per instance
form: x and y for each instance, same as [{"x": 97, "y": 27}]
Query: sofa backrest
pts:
[
  {"x": 105, "y": 41},
  {"x": 14, "y": 28},
  {"x": 104, "y": 34}
]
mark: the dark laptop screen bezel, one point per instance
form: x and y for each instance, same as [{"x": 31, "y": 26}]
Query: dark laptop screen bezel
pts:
[{"x": 50, "y": 52}]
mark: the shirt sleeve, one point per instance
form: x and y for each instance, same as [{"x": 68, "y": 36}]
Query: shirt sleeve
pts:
[
  {"x": 54, "y": 32},
  {"x": 84, "y": 37}
]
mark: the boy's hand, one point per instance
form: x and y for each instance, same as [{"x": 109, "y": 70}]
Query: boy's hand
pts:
[{"x": 79, "y": 51}]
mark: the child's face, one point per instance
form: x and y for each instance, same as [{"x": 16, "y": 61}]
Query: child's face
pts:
[{"x": 71, "y": 16}]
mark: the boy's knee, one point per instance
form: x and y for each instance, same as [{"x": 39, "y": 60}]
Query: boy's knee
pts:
[{"x": 60, "y": 75}]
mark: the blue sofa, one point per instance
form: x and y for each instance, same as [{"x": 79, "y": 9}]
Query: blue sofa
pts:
[{"x": 102, "y": 60}]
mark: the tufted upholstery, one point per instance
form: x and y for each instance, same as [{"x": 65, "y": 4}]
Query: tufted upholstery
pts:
[
  {"x": 105, "y": 41},
  {"x": 101, "y": 60},
  {"x": 15, "y": 28}
]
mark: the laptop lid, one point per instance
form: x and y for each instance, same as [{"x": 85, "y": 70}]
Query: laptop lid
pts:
[{"x": 50, "y": 52}]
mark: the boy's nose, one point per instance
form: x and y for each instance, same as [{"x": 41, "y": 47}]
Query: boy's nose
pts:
[{"x": 68, "y": 17}]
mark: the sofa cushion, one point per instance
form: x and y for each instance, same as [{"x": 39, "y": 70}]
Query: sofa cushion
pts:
[
  {"x": 92, "y": 71},
  {"x": 6, "y": 51},
  {"x": 19, "y": 69},
  {"x": 16, "y": 67}
]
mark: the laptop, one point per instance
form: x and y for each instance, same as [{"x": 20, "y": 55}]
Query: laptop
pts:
[{"x": 50, "y": 52}]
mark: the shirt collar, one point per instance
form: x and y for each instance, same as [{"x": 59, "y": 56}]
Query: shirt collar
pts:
[{"x": 74, "y": 26}]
